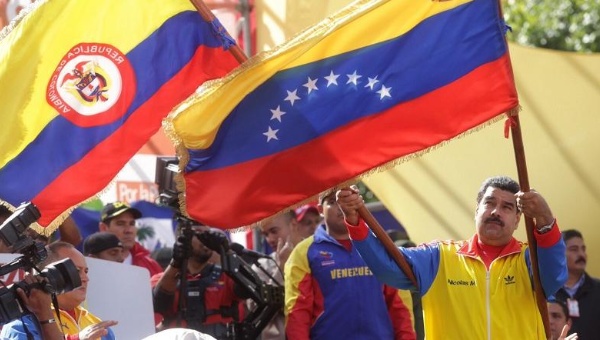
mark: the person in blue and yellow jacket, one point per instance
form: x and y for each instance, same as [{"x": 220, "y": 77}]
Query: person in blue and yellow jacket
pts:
[
  {"x": 479, "y": 288},
  {"x": 330, "y": 293}
]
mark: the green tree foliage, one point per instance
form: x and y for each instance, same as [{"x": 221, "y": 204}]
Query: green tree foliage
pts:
[
  {"x": 145, "y": 232},
  {"x": 568, "y": 25},
  {"x": 366, "y": 193}
]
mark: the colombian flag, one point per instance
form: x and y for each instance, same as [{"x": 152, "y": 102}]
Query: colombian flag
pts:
[
  {"x": 84, "y": 84},
  {"x": 378, "y": 81}
]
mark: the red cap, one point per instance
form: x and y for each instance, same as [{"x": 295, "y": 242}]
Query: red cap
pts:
[{"x": 301, "y": 211}]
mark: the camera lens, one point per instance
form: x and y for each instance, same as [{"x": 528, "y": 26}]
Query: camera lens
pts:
[{"x": 62, "y": 276}]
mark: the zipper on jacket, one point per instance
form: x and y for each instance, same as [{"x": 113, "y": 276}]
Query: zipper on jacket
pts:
[{"x": 487, "y": 304}]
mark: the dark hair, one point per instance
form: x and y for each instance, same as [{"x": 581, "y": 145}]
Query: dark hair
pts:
[
  {"x": 563, "y": 306},
  {"x": 569, "y": 234},
  {"x": 290, "y": 214},
  {"x": 500, "y": 182},
  {"x": 4, "y": 211},
  {"x": 325, "y": 194}
]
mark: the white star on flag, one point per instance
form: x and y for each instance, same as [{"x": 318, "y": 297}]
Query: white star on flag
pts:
[
  {"x": 372, "y": 82},
  {"x": 311, "y": 85},
  {"x": 277, "y": 113},
  {"x": 332, "y": 78},
  {"x": 353, "y": 78},
  {"x": 292, "y": 97},
  {"x": 271, "y": 134},
  {"x": 384, "y": 92}
]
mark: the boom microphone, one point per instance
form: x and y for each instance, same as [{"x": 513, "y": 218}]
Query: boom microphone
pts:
[{"x": 246, "y": 254}]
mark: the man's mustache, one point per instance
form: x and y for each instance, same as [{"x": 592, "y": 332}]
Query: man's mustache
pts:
[
  {"x": 581, "y": 260},
  {"x": 494, "y": 219}
]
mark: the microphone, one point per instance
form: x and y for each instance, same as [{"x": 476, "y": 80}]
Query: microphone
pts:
[{"x": 246, "y": 254}]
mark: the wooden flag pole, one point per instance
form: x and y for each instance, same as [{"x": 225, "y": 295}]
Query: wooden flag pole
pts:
[
  {"x": 209, "y": 16},
  {"x": 366, "y": 215},
  {"x": 529, "y": 223},
  {"x": 388, "y": 244}
]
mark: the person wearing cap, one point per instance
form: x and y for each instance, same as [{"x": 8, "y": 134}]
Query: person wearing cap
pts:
[
  {"x": 119, "y": 218},
  {"x": 330, "y": 293},
  {"x": 308, "y": 217},
  {"x": 103, "y": 245}
]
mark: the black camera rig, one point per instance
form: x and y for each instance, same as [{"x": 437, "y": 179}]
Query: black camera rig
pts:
[
  {"x": 267, "y": 297},
  {"x": 58, "y": 277},
  {"x": 166, "y": 170}
]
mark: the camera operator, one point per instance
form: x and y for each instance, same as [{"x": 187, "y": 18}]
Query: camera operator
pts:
[
  {"x": 39, "y": 303},
  {"x": 211, "y": 301},
  {"x": 75, "y": 321}
]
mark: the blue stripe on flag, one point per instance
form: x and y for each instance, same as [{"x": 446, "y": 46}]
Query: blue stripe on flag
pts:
[{"x": 441, "y": 43}]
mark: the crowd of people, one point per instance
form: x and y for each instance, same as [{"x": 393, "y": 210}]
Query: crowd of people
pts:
[{"x": 338, "y": 280}]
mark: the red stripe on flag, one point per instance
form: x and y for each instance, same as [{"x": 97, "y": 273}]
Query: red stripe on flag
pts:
[
  {"x": 95, "y": 171},
  {"x": 248, "y": 192}
]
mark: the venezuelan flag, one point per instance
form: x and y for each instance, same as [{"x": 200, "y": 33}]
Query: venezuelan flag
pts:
[
  {"x": 378, "y": 81},
  {"x": 84, "y": 84}
]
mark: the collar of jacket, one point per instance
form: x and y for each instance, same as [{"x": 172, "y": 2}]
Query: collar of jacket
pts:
[{"x": 471, "y": 249}]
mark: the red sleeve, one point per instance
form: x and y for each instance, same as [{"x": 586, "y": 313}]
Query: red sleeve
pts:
[
  {"x": 148, "y": 263},
  {"x": 154, "y": 267},
  {"x": 359, "y": 232},
  {"x": 232, "y": 298},
  {"x": 550, "y": 238},
  {"x": 399, "y": 314},
  {"x": 154, "y": 279}
]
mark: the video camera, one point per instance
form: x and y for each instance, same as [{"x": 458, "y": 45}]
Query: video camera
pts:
[
  {"x": 267, "y": 297},
  {"x": 166, "y": 169},
  {"x": 58, "y": 277}
]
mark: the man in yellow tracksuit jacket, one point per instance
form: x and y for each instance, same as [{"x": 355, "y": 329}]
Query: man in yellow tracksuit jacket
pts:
[{"x": 480, "y": 288}]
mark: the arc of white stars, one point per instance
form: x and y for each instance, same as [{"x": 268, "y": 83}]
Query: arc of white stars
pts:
[
  {"x": 332, "y": 78},
  {"x": 292, "y": 96},
  {"x": 311, "y": 85},
  {"x": 277, "y": 113},
  {"x": 353, "y": 78},
  {"x": 372, "y": 82},
  {"x": 384, "y": 92},
  {"x": 271, "y": 134}
]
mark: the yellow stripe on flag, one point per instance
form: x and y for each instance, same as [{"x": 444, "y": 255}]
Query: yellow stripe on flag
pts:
[
  {"x": 204, "y": 113},
  {"x": 32, "y": 50}
]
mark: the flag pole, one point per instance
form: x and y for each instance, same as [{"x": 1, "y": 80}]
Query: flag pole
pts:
[
  {"x": 209, "y": 16},
  {"x": 366, "y": 215},
  {"x": 517, "y": 138},
  {"x": 529, "y": 223},
  {"x": 387, "y": 243}
]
